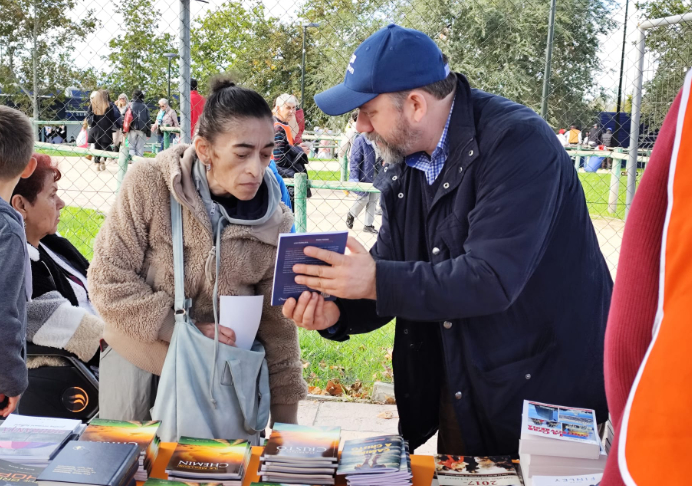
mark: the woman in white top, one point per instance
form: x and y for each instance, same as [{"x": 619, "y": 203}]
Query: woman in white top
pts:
[{"x": 60, "y": 314}]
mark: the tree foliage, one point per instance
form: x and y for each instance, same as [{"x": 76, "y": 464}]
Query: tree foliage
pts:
[
  {"x": 137, "y": 58},
  {"x": 37, "y": 62}
]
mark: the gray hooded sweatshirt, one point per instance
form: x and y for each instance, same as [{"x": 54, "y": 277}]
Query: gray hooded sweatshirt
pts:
[{"x": 15, "y": 291}]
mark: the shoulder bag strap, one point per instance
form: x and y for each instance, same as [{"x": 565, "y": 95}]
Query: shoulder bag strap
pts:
[{"x": 181, "y": 305}]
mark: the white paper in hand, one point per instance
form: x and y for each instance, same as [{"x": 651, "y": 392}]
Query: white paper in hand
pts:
[{"x": 243, "y": 315}]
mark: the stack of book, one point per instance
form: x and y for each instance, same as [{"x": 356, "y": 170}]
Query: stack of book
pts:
[
  {"x": 559, "y": 441},
  {"x": 215, "y": 461},
  {"x": 92, "y": 464},
  {"x": 35, "y": 440},
  {"x": 297, "y": 454},
  {"x": 141, "y": 433},
  {"x": 382, "y": 460},
  {"x": 581, "y": 480},
  {"x": 472, "y": 471}
]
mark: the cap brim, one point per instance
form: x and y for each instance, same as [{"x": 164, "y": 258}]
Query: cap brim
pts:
[{"x": 340, "y": 99}]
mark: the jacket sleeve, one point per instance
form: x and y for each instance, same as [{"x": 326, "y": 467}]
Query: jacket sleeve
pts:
[
  {"x": 117, "y": 118},
  {"x": 13, "y": 378},
  {"x": 281, "y": 144},
  {"x": 280, "y": 339},
  {"x": 90, "y": 116},
  {"x": 174, "y": 118},
  {"x": 116, "y": 277},
  {"x": 357, "y": 160},
  {"x": 53, "y": 321},
  {"x": 518, "y": 194}
]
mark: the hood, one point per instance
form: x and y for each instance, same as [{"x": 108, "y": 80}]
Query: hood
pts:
[{"x": 178, "y": 164}]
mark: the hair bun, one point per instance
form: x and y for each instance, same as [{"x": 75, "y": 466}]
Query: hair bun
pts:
[{"x": 219, "y": 83}]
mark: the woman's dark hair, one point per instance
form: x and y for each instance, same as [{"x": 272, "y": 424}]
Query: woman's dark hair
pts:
[
  {"x": 226, "y": 104},
  {"x": 31, "y": 186},
  {"x": 138, "y": 95}
]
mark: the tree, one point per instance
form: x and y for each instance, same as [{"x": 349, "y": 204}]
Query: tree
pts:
[
  {"x": 671, "y": 54},
  {"x": 137, "y": 55},
  {"x": 37, "y": 64}
]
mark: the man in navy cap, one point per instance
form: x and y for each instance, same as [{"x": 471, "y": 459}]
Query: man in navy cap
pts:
[{"x": 486, "y": 256}]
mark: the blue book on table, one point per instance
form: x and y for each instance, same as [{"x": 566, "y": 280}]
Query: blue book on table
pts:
[
  {"x": 92, "y": 463},
  {"x": 290, "y": 252}
]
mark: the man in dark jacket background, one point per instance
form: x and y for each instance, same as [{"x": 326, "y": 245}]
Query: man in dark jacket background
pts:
[
  {"x": 486, "y": 256},
  {"x": 140, "y": 126}
]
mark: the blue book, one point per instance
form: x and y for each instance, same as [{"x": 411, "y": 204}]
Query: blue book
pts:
[
  {"x": 92, "y": 464},
  {"x": 290, "y": 252}
]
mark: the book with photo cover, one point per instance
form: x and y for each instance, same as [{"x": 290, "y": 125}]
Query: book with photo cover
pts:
[
  {"x": 290, "y": 252},
  {"x": 371, "y": 456},
  {"x": 92, "y": 463},
  {"x": 554, "y": 430},
  {"x": 13, "y": 474},
  {"x": 472, "y": 471},
  {"x": 143, "y": 434},
  {"x": 213, "y": 459},
  {"x": 307, "y": 446}
]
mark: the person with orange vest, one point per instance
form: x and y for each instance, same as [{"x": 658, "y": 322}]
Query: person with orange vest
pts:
[
  {"x": 648, "y": 337},
  {"x": 289, "y": 157},
  {"x": 574, "y": 135}
]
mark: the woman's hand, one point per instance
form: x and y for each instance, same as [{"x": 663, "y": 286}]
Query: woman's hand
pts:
[{"x": 226, "y": 335}]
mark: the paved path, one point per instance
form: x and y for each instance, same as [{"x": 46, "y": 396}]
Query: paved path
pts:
[{"x": 357, "y": 420}]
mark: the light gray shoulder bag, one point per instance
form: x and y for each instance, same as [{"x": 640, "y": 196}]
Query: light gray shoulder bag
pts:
[{"x": 208, "y": 389}]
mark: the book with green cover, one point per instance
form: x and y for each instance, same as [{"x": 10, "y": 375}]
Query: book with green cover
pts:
[
  {"x": 215, "y": 459},
  {"x": 301, "y": 444}
]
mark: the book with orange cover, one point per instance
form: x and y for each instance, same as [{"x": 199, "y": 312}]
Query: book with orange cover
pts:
[
  {"x": 209, "y": 460},
  {"x": 290, "y": 443}
]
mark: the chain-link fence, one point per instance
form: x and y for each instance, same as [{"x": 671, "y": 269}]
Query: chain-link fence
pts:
[{"x": 55, "y": 54}]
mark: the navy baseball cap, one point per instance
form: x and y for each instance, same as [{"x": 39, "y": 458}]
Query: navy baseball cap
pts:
[{"x": 392, "y": 59}]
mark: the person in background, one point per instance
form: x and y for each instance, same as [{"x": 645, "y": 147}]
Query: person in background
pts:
[
  {"x": 470, "y": 257},
  {"x": 60, "y": 314},
  {"x": 104, "y": 118},
  {"x": 16, "y": 162},
  {"x": 574, "y": 135},
  {"x": 562, "y": 137},
  {"x": 648, "y": 338},
  {"x": 595, "y": 135},
  {"x": 363, "y": 168},
  {"x": 140, "y": 126},
  {"x": 196, "y": 105},
  {"x": 166, "y": 117},
  {"x": 607, "y": 140},
  {"x": 350, "y": 134},
  {"x": 118, "y": 135},
  {"x": 232, "y": 216},
  {"x": 289, "y": 157}
]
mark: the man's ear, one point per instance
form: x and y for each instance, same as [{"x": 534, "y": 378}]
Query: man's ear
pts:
[
  {"x": 419, "y": 105},
  {"x": 29, "y": 169}
]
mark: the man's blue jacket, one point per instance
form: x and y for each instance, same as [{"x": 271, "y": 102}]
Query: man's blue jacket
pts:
[{"x": 496, "y": 279}]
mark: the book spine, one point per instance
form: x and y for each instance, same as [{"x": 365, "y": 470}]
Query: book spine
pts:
[{"x": 129, "y": 467}]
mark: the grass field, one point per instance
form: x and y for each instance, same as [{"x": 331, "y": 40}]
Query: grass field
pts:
[{"x": 80, "y": 226}]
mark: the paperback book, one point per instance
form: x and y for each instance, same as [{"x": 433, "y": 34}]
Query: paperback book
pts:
[
  {"x": 474, "y": 470},
  {"x": 581, "y": 480},
  {"x": 376, "y": 460},
  {"x": 290, "y": 251},
  {"x": 210, "y": 461},
  {"x": 13, "y": 474},
  {"x": 142, "y": 434},
  {"x": 298, "y": 454}
]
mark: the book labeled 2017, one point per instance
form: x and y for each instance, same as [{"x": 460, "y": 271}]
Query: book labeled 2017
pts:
[{"x": 475, "y": 471}]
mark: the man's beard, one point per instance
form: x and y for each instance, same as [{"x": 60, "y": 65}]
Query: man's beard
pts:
[{"x": 399, "y": 146}]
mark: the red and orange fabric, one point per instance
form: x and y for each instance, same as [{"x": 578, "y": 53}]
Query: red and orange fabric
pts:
[{"x": 647, "y": 363}]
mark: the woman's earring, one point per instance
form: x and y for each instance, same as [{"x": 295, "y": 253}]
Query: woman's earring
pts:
[{"x": 208, "y": 166}]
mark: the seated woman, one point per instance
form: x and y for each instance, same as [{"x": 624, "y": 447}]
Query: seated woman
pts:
[
  {"x": 232, "y": 213},
  {"x": 60, "y": 314}
]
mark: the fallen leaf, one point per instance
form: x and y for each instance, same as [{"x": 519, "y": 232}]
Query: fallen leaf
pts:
[
  {"x": 390, "y": 401},
  {"x": 315, "y": 390},
  {"x": 306, "y": 364},
  {"x": 388, "y": 415},
  {"x": 335, "y": 389},
  {"x": 323, "y": 364}
]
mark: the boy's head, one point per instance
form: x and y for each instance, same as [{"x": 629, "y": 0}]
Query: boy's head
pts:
[{"x": 16, "y": 143}]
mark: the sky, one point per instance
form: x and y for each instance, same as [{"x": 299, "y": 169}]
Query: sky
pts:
[{"x": 91, "y": 51}]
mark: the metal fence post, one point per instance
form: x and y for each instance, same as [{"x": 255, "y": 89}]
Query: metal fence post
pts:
[
  {"x": 634, "y": 128},
  {"x": 166, "y": 140},
  {"x": 616, "y": 167},
  {"x": 577, "y": 162},
  {"x": 548, "y": 60},
  {"x": 344, "y": 169},
  {"x": 301, "y": 202},
  {"x": 123, "y": 163},
  {"x": 184, "y": 84}
]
